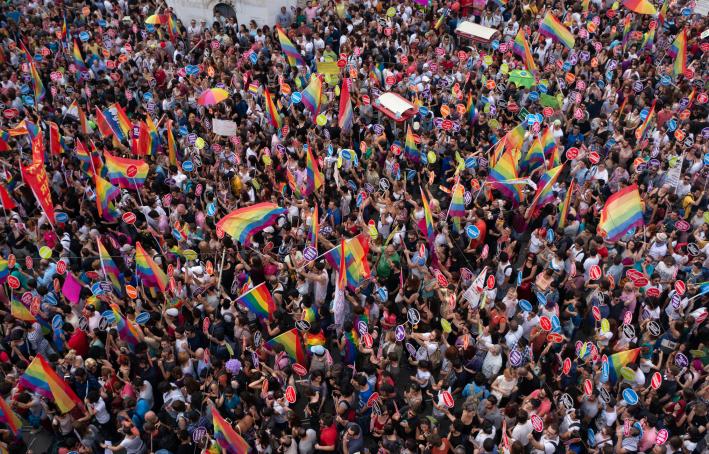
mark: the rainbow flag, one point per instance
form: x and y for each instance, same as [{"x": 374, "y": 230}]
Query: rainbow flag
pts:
[
  {"x": 39, "y": 91},
  {"x": 171, "y": 147},
  {"x": 545, "y": 186},
  {"x": 119, "y": 168},
  {"x": 623, "y": 211},
  {"x": 626, "y": 30},
  {"x": 619, "y": 360},
  {"x": 103, "y": 127},
  {"x": 172, "y": 29},
  {"x": 294, "y": 57},
  {"x": 521, "y": 48},
  {"x": 4, "y": 137},
  {"x": 291, "y": 343},
  {"x": 226, "y": 437},
  {"x": 640, "y": 132},
  {"x": 312, "y": 95},
  {"x": 148, "y": 271},
  {"x": 9, "y": 418},
  {"x": 551, "y": 149},
  {"x": 663, "y": 12},
  {"x": 154, "y": 135},
  {"x": 315, "y": 178},
  {"x": 410, "y": 148},
  {"x": 427, "y": 226},
  {"x": 310, "y": 315},
  {"x": 79, "y": 63},
  {"x": 648, "y": 40},
  {"x": 314, "y": 228},
  {"x": 349, "y": 355},
  {"x": 565, "y": 205},
  {"x": 4, "y": 270},
  {"x": 678, "y": 51},
  {"x": 534, "y": 157},
  {"x": 457, "y": 206},
  {"x": 312, "y": 340},
  {"x": 90, "y": 161},
  {"x": 20, "y": 312},
  {"x": 441, "y": 19},
  {"x": 640, "y": 6},
  {"x": 243, "y": 223},
  {"x": 106, "y": 193},
  {"x": 40, "y": 378},
  {"x": 356, "y": 250},
  {"x": 259, "y": 301},
  {"x": 126, "y": 330},
  {"x": 515, "y": 137},
  {"x": 552, "y": 28},
  {"x": 341, "y": 271},
  {"x": 118, "y": 121},
  {"x": 271, "y": 112},
  {"x": 110, "y": 270},
  {"x": 470, "y": 109},
  {"x": 345, "y": 116},
  {"x": 506, "y": 169}
]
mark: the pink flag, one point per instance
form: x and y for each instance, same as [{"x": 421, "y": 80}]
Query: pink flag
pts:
[{"x": 71, "y": 288}]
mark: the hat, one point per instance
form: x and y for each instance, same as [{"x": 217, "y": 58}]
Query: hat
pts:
[
  {"x": 268, "y": 229},
  {"x": 172, "y": 312},
  {"x": 662, "y": 237},
  {"x": 318, "y": 350}
]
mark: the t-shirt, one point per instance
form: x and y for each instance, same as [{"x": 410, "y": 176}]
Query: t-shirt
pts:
[
  {"x": 328, "y": 436},
  {"x": 133, "y": 445}
]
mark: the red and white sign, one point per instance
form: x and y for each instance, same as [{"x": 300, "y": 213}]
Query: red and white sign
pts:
[
  {"x": 656, "y": 380},
  {"x": 628, "y": 318},
  {"x": 300, "y": 370},
  {"x": 209, "y": 267},
  {"x": 11, "y": 261},
  {"x": 491, "y": 282},
  {"x": 29, "y": 263},
  {"x": 291, "y": 397},
  {"x": 634, "y": 274},
  {"x": 448, "y": 399},
  {"x": 594, "y": 157},
  {"x": 572, "y": 153},
  {"x": 588, "y": 387},
  {"x": 373, "y": 398},
  {"x": 680, "y": 288},
  {"x": 390, "y": 80},
  {"x": 13, "y": 282},
  {"x": 26, "y": 298},
  {"x": 596, "y": 311},
  {"x": 131, "y": 291},
  {"x": 566, "y": 368},
  {"x": 545, "y": 323},
  {"x": 653, "y": 292},
  {"x": 368, "y": 340},
  {"x": 442, "y": 281},
  {"x": 61, "y": 267},
  {"x": 555, "y": 337},
  {"x": 128, "y": 218},
  {"x": 640, "y": 282},
  {"x": 595, "y": 272},
  {"x": 661, "y": 437},
  {"x": 537, "y": 423},
  {"x": 132, "y": 171}
]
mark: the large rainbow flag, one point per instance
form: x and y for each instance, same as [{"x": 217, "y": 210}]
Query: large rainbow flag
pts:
[
  {"x": 312, "y": 95},
  {"x": 4, "y": 270},
  {"x": 534, "y": 157},
  {"x": 106, "y": 193},
  {"x": 619, "y": 360},
  {"x": 545, "y": 186},
  {"x": 678, "y": 51},
  {"x": 119, "y": 168},
  {"x": 345, "y": 115},
  {"x": 118, "y": 121},
  {"x": 40, "y": 378},
  {"x": 410, "y": 148},
  {"x": 521, "y": 48},
  {"x": 79, "y": 63},
  {"x": 20, "y": 312},
  {"x": 171, "y": 146},
  {"x": 356, "y": 250},
  {"x": 622, "y": 212},
  {"x": 126, "y": 331},
  {"x": 274, "y": 118},
  {"x": 457, "y": 206},
  {"x": 349, "y": 355},
  {"x": 243, "y": 223},
  {"x": 506, "y": 169},
  {"x": 228, "y": 440},
  {"x": 294, "y": 57},
  {"x": 551, "y": 149},
  {"x": 110, "y": 269},
  {"x": 427, "y": 226},
  {"x": 314, "y": 180},
  {"x": 151, "y": 275},
  {"x": 9, "y": 418},
  {"x": 291, "y": 344},
  {"x": 552, "y": 28},
  {"x": 259, "y": 301},
  {"x": 565, "y": 205}
]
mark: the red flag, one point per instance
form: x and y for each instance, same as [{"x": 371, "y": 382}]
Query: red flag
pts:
[
  {"x": 35, "y": 176},
  {"x": 103, "y": 126},
  {"x": 38, "y": 148},
  {"x": 55, "y": 146},
  {"x": 5, "y": 199}
]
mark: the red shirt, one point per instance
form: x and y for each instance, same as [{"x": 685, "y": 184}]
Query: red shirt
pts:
[
  {"x": 328, "y": 436},
  {"x": 79, "y": 342}
]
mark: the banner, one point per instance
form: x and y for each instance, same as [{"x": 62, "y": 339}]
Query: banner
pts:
[
  {"x": 36, "y": 178},
  {"x": 328, "y": 67},
  {"x": 225, "y": 128},
  {"x": 38, "y": 149}
]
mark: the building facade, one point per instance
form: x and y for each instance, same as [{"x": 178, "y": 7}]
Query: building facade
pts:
[{"x": 263, "y": 12}]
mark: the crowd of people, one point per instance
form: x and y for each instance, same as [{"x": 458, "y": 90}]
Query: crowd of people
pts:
[{"x": 515, "y": 322}]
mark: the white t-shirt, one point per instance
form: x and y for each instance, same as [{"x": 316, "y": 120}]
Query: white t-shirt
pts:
[
  {"x": 102, "y": 415},
  {"x": 133, "y": 445},
  {"x": 521, "y": 432}
]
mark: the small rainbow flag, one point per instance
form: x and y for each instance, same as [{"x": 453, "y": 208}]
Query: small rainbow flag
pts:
[
  {"x": 640, "y": 6},
  {"x": 314, "y": 228},
  {"x": 534, "y": 157},
  {"x": 259, "y": 301},
  {"x": 341, "y": 271},
  {"x": 226, "y": 437},
  {"x": 552, "y": 28},
  {"x": 78, "y": 59},
  {"x": 471, "y": 110},
  {"x": 110, "y": 269},
  {"x": 619, "y": 360},
  {"x": 410, "y": 148},
  {"x": 103, "y": 127},
  {"x": 663, "y": 12},
  {"x": 126, "y": 331},
  {"x": 9, "y": 417},
  {"x": 310, "y": 315},
  {"x": 314, "y": 339},
  {"x": 506, "y": 169},
  {"x": 427, "y": 226},
  {"x": 119, "y": 168},
  {"x": 356, "y": 250},
  {"x": 106, "y": 193},
  {"x": 274, "y": 118},
  {"x": 315, "y": 178},
  {"x": 521, "y": 48},
  {"x": 622, "y": 211},
  {"x": 350, "y": 351},
  {"x": 551, "y": 150},
  {"x": 20, "y": 312},
  {"x": 457, "y": 206},
  {"x": 640, "y": 132},
  {"x": 4, "y": 270},
  {"x": 118, "y": 121},
  {"x": 39, "y": 90},
  {"x": 171, "y": 147},
  {"x": 40, "y": 378},
  {"x": 294, "y": 57},
  {"x": 565, "y": 205},
  {"x": 90, "y": 161},
  {"x": 678, "y": 51},
  {"x": 312, "y": 95},
  {"x": 154, "y": 135},
  {"x": 245, "y": 222},
  {"x": 149, "y": 272},
  {"x": 648, "y": 40},
  {"x": 345, "y": 116},
  {"x": 545, "y": 185},
  {"x": 291, "y": 343},
  {"x": 441, "y": 19}
]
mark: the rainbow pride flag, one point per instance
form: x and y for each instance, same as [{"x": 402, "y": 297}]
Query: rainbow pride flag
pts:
[
  {"x": 39, "y": 90},
  {"x": 103, "y": 127},
  {"x": 640, "y": 6},
  {"x": 640, "y": 132},
  {"x": 90, "y": 161},
  {"x": 148, "y": 271},
  {"x": 534, "y": 157},
  {"x": 341, "y": 271},
  {"x": 457, "y": 206},
  {"x": 349, "y": 354},
  {"x": 259, "y": 301},
  {"x": 294, "y": 57},
  {"x": 310, "y": 315},
  {"x": 356, "y": 250},
  {"x": 552, "y": 28},
  {"x": 648, "y": 40},
  {"x": 20, "y": 312},
  {"x": 79, "y": 63},
  {"x": 154, "y": 135},
  {"x": 314, "y": 228},
  {"x": 471, "y": 110},
  {"x": 110, "y": 269},
  {"x": 619, "y": 360},
  {"x": 243, "y": 223},
  {"x": 315, "y": 178},
  {"x": 678, "y": 51},
  {"x": 274, "y": 118},
  {"x": 622, "y": 211},
  {"x": 118, "y": 121},
  {"x": 4, "y": 270},
  {"x": 9, "y": 418},
  {"x": 291, "y": 344},
  {"x": 40, "y": 378},
  {"x": 312, "y": 95},
  {"x": 119, "y": 168},
  {"x": 521, "y": 48},
  {"x": 427, "y": 226},
  {"x": 312, "y": 340},
  {"x": 551, "y": 149},
  {"x": 106, "y": 193},
  {"x": 345, "y": 116},
  {"x": 663, "y": 12},
  {"x": 565, "y": 205},
  {"x": 171, "y": 147},
  {"x": 410, "y": 148},
  {"x": 126, "y": 331},
  {"x": 545, "y": 193},
  {"x": 506, "y": 169},
  {"x": 226, "y": 437}
]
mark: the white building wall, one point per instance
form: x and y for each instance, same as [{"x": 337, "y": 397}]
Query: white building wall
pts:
[{"x": 263, "y": 12}]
